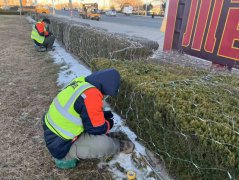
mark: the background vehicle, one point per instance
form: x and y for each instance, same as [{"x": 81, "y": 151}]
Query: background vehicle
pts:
[
  {"x": 110, "y": 13},
  {"x": 5, "y": 8},
  {"x": 89, "y": 11},
  {"x": 127, "y": 10},
  {"x": 42, "y": 10}
]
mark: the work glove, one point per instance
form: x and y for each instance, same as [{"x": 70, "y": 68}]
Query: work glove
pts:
[
  {"x": 109, "y": 117},
  {"x": 111, "y": 122},
  {"x": 108, "y": 114}
]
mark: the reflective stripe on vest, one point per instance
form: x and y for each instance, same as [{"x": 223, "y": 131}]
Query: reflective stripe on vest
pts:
[
  {"x": 35, "y": 35},
  {"x": 58, "y": 128},
  {"x": 64, "y": 112}
]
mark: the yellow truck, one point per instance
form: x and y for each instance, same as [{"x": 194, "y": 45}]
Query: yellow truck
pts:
[
  {"x": 89, "y": 11},
  {"x": 42, "y": 10}
]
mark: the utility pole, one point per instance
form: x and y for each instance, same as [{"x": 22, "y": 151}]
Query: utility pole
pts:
[
  {"x": 21, "y": 11},
  {"x": 20, "y": 8},
  {"x": 5, "y": 2},
  {"x": 53, "y": 7},
  {"x": 70, "y": 3},
  {"x": 146, "y": 7}
]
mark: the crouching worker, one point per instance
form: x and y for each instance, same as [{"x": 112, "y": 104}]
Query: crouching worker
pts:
[
  {"x": 76, "y": 127},
  {"x": 41, "y": 36}
]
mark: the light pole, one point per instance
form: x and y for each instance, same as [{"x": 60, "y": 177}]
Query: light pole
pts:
[
  {"x": 20, "y": 7},
  {"x": 5, "y": 2},
  {"x": 53, "y": 7},
  {"x": 70, "y": 3},
  {"x": 146, "y": 7}
]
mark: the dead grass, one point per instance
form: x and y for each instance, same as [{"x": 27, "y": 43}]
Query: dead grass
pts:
[{"x": 27, "y": 81}]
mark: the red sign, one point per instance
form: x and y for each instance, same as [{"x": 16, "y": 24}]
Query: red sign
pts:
[{"x": 210, "y": 30}]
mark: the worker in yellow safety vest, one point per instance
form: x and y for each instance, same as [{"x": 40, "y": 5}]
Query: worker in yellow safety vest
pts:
[
  {"x": 77, "y": 126},
  {"x": 41, "y": 35}
]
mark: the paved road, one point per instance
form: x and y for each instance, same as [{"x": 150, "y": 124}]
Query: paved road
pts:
[{"x": 132, "y": 20}]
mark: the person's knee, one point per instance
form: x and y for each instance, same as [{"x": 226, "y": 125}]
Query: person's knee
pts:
[
  {"x": 107, "y": 144},
  {"x": 91, "y": 146}
]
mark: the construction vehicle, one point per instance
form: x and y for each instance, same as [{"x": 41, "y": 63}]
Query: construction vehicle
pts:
[
  {"x": 42, "y": 10},
  {"x": 89, "y": 11}
]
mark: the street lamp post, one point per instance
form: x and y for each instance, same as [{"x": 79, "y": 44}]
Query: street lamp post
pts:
[
  {"x": 53, "y": 7},
  {"x": 70, "y": 3},
  {"x": 146, "y": 7},
  {"x": 20, "y": 7}
]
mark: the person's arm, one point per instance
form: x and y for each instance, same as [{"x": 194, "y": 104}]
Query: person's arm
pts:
[
  {"x": 94, "y": 107},
  {"x": 92, "y": 113},
  {"x": 46, "y": 31},
  {"x": 40, "y": 29}
]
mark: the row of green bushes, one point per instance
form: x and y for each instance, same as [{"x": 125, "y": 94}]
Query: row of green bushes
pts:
[
  {"x": 87, "y": 42},
  {"x": 3, "y": 12},
  {"x": 188, "y": 117}
]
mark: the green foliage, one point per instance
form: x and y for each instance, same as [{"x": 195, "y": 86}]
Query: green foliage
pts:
[
  {"x": 87, "y": 42},
  {"x": 189, "y": 117}
]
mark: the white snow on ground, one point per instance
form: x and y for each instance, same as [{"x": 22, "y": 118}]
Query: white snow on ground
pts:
[{"x": 72, "y": 68}]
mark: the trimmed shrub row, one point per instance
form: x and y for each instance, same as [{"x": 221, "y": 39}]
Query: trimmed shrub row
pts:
[
  {"x": 88, "y": 42},
  {"x": 11, "y": 12},
  {"x": 188, "y": 117}
]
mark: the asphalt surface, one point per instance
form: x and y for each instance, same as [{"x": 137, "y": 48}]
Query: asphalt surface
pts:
[{"x": 132, "y": 20}]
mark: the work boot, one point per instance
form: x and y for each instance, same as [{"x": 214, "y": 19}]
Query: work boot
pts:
[
  {"x": 66, "y": 164},
  {"x": 126, "y": 147},
  {"x": 40, "y": 48},
  {"x": 51, "y": 49}
]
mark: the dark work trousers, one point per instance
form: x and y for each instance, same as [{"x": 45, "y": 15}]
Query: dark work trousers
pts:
[{"x": 49, "y": 41}]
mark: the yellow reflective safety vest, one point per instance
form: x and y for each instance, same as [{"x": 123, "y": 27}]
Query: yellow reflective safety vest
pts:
[
  {"x": 35, "y": 35},
  {"x": 61, "y": 118}
]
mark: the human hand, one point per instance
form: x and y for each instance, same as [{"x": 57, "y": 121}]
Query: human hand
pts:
[
  {"x": 108, "y": 115},
  {"x": 111, "y": 122}
]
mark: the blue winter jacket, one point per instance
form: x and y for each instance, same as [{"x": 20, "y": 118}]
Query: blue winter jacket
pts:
[{"x": 108, "y": 82}]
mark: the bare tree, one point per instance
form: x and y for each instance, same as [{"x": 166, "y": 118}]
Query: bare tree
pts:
[{"x": 134, "y": 3}]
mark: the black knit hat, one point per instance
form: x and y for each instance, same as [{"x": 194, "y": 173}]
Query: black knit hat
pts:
[{"x": 46, "y": 21}]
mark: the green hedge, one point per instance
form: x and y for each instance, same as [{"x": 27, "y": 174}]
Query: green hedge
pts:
[
  {"x": 87, "y": 42},
  {"x": 10, "y": 12},
  {"x": 188, "y": 117}
]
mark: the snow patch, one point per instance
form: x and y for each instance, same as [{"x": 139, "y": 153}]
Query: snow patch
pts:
[{"x": 72, "y": 68}]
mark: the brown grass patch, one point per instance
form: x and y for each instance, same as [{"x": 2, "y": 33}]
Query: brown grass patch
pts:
[{"x": 28, "y": 86}]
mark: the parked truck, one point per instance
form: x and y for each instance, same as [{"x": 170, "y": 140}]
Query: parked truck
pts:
[{"x": 89, "y": 11}]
